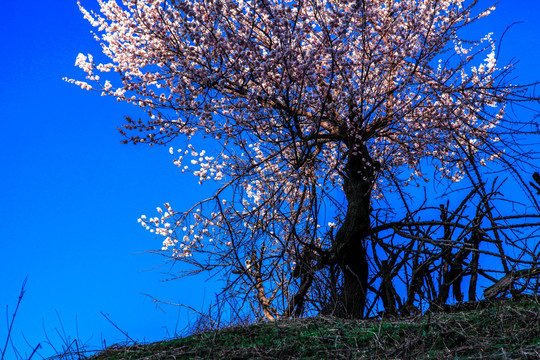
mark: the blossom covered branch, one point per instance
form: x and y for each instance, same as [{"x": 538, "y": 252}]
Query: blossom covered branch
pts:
[{"x": 298, "y": 102}]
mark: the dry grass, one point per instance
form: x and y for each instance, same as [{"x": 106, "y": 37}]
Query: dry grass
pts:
[{"x": 496, "y": 329}]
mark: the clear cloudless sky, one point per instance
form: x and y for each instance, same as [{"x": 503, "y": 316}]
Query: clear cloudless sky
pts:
[{"x": 70, "y": 193}]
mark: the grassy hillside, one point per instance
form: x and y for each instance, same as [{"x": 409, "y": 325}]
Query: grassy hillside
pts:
[{"x": 497, "y": 329}]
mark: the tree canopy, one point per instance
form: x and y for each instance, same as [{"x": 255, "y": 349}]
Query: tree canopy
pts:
[{"x": 312, "y": 112}]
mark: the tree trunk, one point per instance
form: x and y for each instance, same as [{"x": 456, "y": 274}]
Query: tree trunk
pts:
[{"x": 349, "y": 241}]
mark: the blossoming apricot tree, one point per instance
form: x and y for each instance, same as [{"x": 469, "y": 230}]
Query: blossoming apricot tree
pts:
[{"x": 299, "y": 103}]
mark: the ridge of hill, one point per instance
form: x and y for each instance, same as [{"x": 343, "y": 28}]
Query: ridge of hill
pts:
[{"x": 494, "y": 329}]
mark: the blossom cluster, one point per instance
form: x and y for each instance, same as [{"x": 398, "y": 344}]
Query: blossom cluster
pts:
[
  {"x": 291, "y": 92},
  {"x": 201, "y": 165}
]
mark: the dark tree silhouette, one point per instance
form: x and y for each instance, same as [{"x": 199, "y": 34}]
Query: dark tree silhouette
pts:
[{"x": 302, "y": 104}]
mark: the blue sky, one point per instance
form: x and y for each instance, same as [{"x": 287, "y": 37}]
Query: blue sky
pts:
[{"x": 70, "y": 193}]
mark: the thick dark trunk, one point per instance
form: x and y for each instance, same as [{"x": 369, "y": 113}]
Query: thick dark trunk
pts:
[{"x": 350, "y": 238}]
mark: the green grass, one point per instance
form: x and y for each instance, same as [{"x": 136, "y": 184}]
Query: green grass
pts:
[{"x": 497, "y": 329}]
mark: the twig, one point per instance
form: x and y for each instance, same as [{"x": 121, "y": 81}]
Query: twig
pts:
[
  {"x": 508, "y": 280},
  {"x": 13, "y": 318},
  {"x": 116, "y": 326},
  {"x": 183, "y": 305},
  {"x": 33, "y": 352}
]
